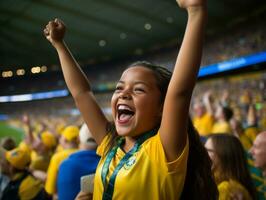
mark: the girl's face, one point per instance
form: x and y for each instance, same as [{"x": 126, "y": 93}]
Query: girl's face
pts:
[
  {"x": 136, "y": 106},
  {"x": 211, "y": 151}
]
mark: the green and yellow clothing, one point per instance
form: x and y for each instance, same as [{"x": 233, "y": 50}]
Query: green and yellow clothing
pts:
[
  {"x": 56, "y": 160},
  {"x": 257, "y": 177},
  {"x": 146, "y": 175},
  {"x": 227, "y": 189},
  {"x": 204, "y": 124}
]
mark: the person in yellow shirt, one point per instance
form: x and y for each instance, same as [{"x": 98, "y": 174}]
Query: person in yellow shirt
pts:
[
  {"x": 203, "y": 114},
  {"x": 43, "y": 150},
  {"x": 230, "y": 167},
  {"x": 148, "y": 143},
  {"x": 223, "y": 116},
  {"x": 22, "y": 184},
  {"x": 69, "y": 141}
]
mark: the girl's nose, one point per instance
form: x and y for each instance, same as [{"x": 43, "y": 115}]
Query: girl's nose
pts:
[{"x": 125, "y": 95}]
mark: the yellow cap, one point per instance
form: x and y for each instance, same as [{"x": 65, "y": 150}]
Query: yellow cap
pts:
[
  {"x": 18, "y": 158},
  {"x": 24, "y": 147},
  {"x": 71, "y": 133},
  {"x": 48, "y": 139}
]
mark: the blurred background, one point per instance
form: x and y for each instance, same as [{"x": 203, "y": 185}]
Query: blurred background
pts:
[{"x": 106, "y": 36}]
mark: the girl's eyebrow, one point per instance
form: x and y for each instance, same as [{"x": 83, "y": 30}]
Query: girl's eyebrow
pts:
[{"x": 135, "y": 82}]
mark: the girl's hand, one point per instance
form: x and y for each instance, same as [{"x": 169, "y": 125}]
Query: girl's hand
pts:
[
  {"x": 55, "y": 31},
  {"x": 84, "y": 196},
  {"x": 191, "y": 3}
]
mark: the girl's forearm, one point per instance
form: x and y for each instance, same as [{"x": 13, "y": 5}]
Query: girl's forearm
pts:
[{"x": 189, "y": 57}]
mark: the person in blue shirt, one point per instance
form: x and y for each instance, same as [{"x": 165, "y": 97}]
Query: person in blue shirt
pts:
[{"x": 83, "y": 162}]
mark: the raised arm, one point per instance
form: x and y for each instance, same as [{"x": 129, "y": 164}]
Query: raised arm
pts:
[
  {"x": 77, "y": 81},
  {"x": 173, "y": 130},
  {"x": 207, "y": 102},
  {"x": 29, "y": 138}
]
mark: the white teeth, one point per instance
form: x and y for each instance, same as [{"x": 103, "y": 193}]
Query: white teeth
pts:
[{"x": 123, "y": 107}]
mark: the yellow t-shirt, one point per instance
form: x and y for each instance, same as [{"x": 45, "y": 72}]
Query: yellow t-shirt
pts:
[
  {"x": 227, "y": 189},
  {"x": 56, "y": 160},
  {"x": 59, "y": 148},
  {"x": 29, "y": 188},
  {"x": 204, "y": 124},
  {"x": 146, "y": 175},
  {"x": 221, "y": 127}
]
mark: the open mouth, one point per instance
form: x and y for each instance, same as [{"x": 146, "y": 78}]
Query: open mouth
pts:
[{"x": 124, "y": 113}]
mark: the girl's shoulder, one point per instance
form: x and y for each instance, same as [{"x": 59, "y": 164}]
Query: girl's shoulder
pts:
[
  {"x": 153, "y": 148},
  {"x": 103, "y": 147}
]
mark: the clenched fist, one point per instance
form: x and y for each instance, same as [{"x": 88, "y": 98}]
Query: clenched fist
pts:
[{"x": 55, "y": 31}]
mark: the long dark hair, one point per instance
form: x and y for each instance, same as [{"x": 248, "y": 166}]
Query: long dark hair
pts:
[
  {"x": 232, "y": 161},
  {"x": 199, "y": 183}
]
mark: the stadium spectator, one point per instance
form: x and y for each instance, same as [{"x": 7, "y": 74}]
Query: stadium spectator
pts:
[
  {"x": 223, "y": 116},
  {"x": 43, "y": 146},
  {"x": 139, "y": 109},
  {"x": 257, "y": 177},
  {"x": 83, "y": 162},
  {"x": 203, "y": 115},
  {"x": 230, "y": 167},
  {"x": 22, "y": 184},
  {"x": 258, "y": 152},
  {"x": 69, "y": 141},
  {"x": 7, "y": 143}
]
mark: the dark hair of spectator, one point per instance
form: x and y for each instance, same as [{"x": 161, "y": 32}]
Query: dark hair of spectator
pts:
[
  {"x": 8, "y": 143},
  {"x": 232, "y": 161},
  {"x": 228, "y": 113}
]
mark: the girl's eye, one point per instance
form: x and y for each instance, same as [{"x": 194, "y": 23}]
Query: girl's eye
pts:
[
  {"x": 118, "y": 88},
  {"x": 139, "y": 90}
]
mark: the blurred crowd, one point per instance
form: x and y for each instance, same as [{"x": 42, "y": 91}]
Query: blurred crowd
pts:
[
  {"x": 229, "y": 113},
  {"x": 49, "y": 162},
  {"x": 244, "y": 39}
]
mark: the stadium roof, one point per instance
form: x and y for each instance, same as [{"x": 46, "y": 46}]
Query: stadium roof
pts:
[{"x": 101, "y": 30}]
